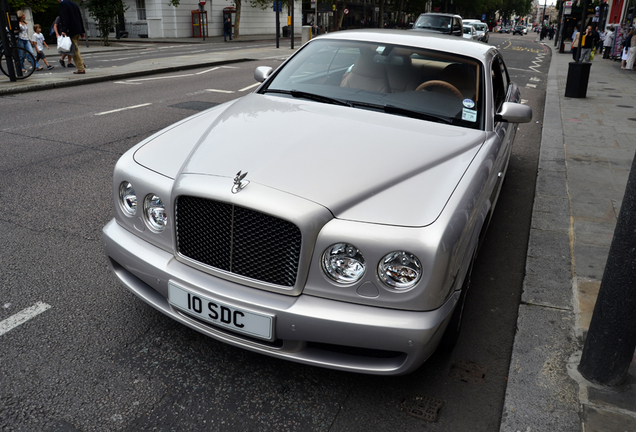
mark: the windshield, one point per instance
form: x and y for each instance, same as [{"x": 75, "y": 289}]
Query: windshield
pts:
[
  {"x": 433, "y": 22},
  {"x": 395, "y": 79},
  {"x": 467, "y": 30},
  {"x": 480, "y": 27}
]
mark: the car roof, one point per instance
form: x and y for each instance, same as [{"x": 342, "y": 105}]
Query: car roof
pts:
[
  {"x": 415, "y": 38},
  {"x": 441, "y": 14}
]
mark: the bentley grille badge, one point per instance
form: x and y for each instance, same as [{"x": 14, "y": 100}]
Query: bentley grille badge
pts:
[{"x": 239, "y": 183}]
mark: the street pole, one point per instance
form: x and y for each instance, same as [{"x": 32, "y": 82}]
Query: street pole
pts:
[
  {"x": 611, "y": 339},
  {"x": 292, "y": 24},
  {"x": 545, "y": 3},
  {"x": 8, "y": 52},
  {"x": 582, "y": 30}
]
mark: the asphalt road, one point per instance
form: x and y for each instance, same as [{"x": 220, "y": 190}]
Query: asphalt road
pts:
[{"x": 91, "y": 356}]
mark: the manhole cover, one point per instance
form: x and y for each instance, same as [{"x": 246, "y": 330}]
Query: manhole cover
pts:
[
  {"x": 194, "y": 105},
  {"x": 422, "y": 407},
  {"x": 468, "y": 371}
]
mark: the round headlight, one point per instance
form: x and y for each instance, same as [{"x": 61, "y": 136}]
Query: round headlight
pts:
[
  {"x": 155, "y": 213},
  {"x": 127, "y": 199},
  {"x": 400, "y": 270},
  {"x": 343, "y": 263}
]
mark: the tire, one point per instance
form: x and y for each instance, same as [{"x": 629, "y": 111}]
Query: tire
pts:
[{"x": 28, "y": 63}]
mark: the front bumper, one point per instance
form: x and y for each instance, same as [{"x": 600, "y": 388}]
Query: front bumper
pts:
[{"x": 307, "y": 329}]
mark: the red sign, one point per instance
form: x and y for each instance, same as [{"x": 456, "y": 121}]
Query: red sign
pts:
[
  {"x": 346, "y": 11},
  {"x": 202, "y": 2}
]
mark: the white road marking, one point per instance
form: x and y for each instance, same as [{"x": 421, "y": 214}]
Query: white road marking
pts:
[
  {"x": 249, "y": 87},
  {"x": 123, "y": 109},
  {"x": 208, "y": 70},
  {"x": 219, "y": 91},
  {"x": 524, "y": 101},
  {"x": 535, "y": 79},
  {"x": 134, "y": 81},
  {"x": 22, "y": 317},
  {"x": 531, "y": 85}
]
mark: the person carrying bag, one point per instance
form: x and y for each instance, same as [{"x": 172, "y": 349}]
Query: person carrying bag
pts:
[{"x": 64, "y": 44}]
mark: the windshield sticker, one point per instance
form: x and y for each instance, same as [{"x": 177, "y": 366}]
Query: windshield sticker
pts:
[
  {"x": 469, "y": 115},
  {"x": 468, "y": 103}
]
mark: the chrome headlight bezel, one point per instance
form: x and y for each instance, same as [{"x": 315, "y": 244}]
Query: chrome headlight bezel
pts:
[
  {"x": 155, "y": 215},
  {"x": 343, "y": 263},
  {"x": 400, "y": 270},
  {"x": 127, "y": 199}
]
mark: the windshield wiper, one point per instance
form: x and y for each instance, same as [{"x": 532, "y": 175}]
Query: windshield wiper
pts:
[
  {"x": 392, "y": 109},
  {"x": 311, "y": 96}
]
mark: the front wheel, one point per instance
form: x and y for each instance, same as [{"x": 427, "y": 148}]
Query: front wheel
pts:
[{"x": 22, "y": 60}]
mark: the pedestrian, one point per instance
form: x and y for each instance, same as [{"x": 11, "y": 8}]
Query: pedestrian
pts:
[
  {"x": 69, "y": 55},
  {"x": 544, "y": 32},
  {"x": 608, "y": 42},
  {"x": 551, "y": 32},
  {"x": 24, "y": 41},
  {"x": 632, "y": 51},
  {"x": 575, "y": 43},
  {"x": 601, "y": 40},
  {"x": 627, "y": 42},
  {"x": 587, "y": 43},
  {"x": 72, "y": 25},
  {"x": 227, "y": 29},
  {"x": 40, "y": 43}
]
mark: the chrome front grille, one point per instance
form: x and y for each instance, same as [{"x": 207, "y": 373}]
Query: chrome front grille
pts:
[{"x": 238, "y": 240}]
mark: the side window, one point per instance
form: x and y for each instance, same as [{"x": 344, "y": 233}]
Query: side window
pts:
[
  {"x": 458, "y": 25},
  {"x": 499, "y": 83}
]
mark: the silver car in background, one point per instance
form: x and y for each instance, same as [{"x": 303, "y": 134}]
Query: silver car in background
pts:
[
  {"x": 483, "y": 34},
  {"x": 332, "y": 217},
  {"x": 470, "y": 33}
]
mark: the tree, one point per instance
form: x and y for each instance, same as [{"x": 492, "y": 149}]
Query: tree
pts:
[
  {"x": 35, "y": 5},
  {"x": 105, "y": 13}
]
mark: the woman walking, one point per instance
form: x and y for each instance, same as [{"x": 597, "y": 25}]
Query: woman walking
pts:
[{"x": 24, "y": 41}]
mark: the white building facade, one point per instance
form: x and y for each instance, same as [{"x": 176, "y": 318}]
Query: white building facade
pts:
[{"x": 164, "y": 21}]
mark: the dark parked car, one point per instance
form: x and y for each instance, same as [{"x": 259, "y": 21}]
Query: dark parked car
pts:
[
  {"x": 440, "y": 23},
  {"x": 519, "y": 30}
]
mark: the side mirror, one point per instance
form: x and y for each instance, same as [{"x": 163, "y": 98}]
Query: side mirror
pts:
[
  {"x": 512, "y": 112},
  {"x": 262, "y": 72}
]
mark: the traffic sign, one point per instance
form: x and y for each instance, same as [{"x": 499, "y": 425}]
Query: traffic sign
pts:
[
  {"x": 346, "y": 11},
  {"x": 202, "y": 2}
]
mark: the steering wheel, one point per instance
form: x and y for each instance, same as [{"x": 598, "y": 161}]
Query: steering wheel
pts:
[{"x": 438, "y": 83}]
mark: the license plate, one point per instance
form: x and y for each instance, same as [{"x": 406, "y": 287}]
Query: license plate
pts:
[{"x": 221, "y": 314}]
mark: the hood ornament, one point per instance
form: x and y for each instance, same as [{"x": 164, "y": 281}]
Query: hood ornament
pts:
[{"x": 239, "y": 183}]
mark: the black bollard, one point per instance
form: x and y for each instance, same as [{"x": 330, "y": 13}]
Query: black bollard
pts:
[{"x": 611, "y": 339}]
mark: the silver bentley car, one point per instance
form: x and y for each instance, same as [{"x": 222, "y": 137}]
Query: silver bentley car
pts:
[{"x": 332, "y": 216}]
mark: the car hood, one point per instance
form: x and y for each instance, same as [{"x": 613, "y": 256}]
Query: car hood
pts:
[{"x": 361, "y": 165}]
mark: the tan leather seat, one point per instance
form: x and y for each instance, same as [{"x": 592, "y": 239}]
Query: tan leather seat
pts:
[{"x": 367, "y": 74}]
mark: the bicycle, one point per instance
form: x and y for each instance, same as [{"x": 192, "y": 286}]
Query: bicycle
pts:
[{"x": 19, "y": 57}]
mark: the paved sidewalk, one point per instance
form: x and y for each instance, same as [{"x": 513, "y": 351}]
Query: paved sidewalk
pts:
[
  {"x": 42, "y": 80},
  {"x": 587, "y": 148}
]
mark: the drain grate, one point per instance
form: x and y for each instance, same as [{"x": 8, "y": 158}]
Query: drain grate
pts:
[
  {"x": 422, "y": 407},
  {"x": 468, "y": 371},
  {"x": 624, "y": 106}
]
